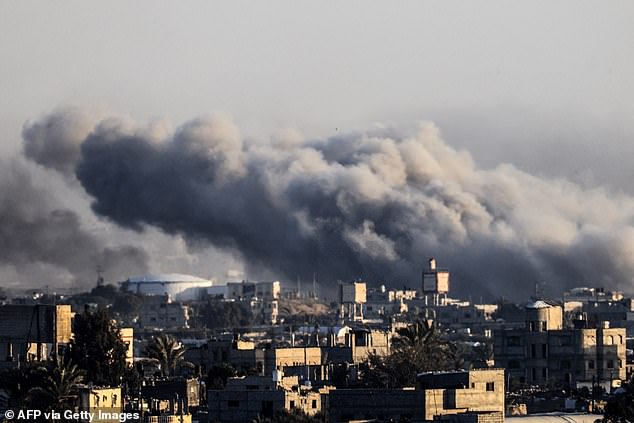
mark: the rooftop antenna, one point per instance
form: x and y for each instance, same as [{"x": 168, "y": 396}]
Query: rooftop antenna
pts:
[
  {"x": 299, "y": 287},
  {"x": 99, "y": 275}
]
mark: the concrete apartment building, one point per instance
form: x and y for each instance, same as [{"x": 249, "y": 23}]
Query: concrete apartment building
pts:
[
  {"x": 181, "y": 394},
  {"x": 473, "y": 396},
  {"x": 245, "y": 398},
  {"x": 598, "y": 305},
  {"x": 309, "y": 359},
  {"x": 158, "y": 311},
  {"x": 383, "y": 303},
  {"x": 543, "y": 351},
  {"x": 33, "y": 332},
  {"x": 265, "y": 311},
  {"x": 461, "y": 396}
]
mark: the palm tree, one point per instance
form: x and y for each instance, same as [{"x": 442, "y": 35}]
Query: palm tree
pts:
[
  {"x": 58, "y": 384},
  {"x": 168, "y": 351},
  {"x": 416, "y": 348},
  {"x": 420, "y": 344}
]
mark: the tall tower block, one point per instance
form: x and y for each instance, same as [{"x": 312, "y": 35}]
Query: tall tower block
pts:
[{"x": 435, "y": 282}]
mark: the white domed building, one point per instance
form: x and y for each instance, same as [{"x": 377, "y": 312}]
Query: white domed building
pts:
[{"x": 177, "y": 286}]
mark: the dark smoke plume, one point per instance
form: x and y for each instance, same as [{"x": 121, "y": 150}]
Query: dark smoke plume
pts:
[
  {"x": 34, "y": 231},
  {"x": 373, "y": 205}
]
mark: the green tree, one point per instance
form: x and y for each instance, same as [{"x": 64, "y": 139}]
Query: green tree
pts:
[
  {"x": 57, "y": 386},
  {"x": 168, "y": 351},
  {"x": 224, "y": 315},
  {"x": 620, "y": 408},
  {"x": 97, "y": 348},
  {"x": 415, "y": 349},
  {"x": 18, "y": 381},
  {"x": 218, "y": 375}
]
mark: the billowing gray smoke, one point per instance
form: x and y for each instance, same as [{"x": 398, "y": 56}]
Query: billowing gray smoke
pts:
[
  {"x": 34, "y": 231},
  {"x": 374, "y": 205}
]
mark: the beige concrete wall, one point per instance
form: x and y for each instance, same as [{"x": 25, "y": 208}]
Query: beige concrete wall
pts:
[
  {"x": 484, "y": 393},
  {"x": 63, "y": 324},
  {"x": 309, "y": 402},
  {"x": 127, "y": 336},
  {"x": 108, "y": 400}
]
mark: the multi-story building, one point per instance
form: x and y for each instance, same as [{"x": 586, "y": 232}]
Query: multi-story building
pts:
[
  {"x": 267, "y": 290},
  {"x": 33, "y": 332},
  {"x": 462, "y": 396},
  {"x": 383, "y": 303},
  {"x": 544, "y": 352},
  {"x": 246, "y": 398},
  {"x": 619, "y": 313},
  {"x": 473, "y": 396},
  {"x": 308, "y": 360},
  {"x": 158, "y": 311},
  {"x": 184, "y": 394},
  {"x": 265, "y": 311}
]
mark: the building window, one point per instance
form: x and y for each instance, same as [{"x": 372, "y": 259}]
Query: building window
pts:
[
  {"x": 514, "y": 364},
  {"x": 564, "y": 364},
  {"x": 544, "y": 372},
  {"x": 590, "y": 364},
  {"x": 292, "y": 404},
  {"x": 610, "y": 364},
  {"x": 314, "y": 404},
  {"x": 544, "y": 352},
  {"x": 533, "y": 350},
  {"x": 513, "y": 341},
  {"x": 490, "y": 386},
  {"x": 233, "y": 403}
]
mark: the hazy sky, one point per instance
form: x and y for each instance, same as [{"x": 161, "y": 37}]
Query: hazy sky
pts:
[{"x": 548, "y": 86}]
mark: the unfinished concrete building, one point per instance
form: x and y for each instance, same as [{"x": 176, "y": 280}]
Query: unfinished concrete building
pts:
[
  {"x": 33, "y": 332},
  {"x": 246, "y": 398}
]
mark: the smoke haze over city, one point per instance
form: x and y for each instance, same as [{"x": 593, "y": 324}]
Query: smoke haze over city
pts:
[
  {"x": 338, "y": 150},
  {"x": 370, "y": 204}
]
